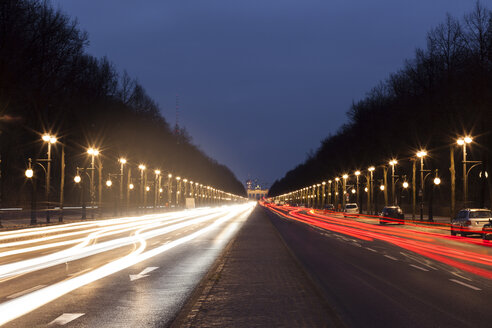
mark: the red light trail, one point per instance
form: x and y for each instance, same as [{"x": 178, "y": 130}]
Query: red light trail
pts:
[{"x": 426, "y": 243}]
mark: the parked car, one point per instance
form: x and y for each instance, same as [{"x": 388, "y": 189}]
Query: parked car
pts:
[
  {"x": 487, "y": 231},
  {"x": 329, "y": 207},
  {"x": 470, "y": 221},
  {"x": 392, "y": 214},
  {"x": 350, "y": 209}
]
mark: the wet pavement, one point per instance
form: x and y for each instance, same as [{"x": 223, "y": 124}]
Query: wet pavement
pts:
[{"x": 257, "y": 283}]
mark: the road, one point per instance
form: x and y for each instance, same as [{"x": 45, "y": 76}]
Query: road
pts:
[
  {"x": 134, "y": 271},
  {"x": 391, "y": 276}
]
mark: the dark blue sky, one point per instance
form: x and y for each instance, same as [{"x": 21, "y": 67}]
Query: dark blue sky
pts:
[{"x": 261, "y": 82}]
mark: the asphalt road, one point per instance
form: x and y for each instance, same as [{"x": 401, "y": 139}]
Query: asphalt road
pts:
[
  {"x": 133, "y": 272},
  {"x": 373, "y": 282}
]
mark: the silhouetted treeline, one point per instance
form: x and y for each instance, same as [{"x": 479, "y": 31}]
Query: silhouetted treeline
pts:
[
  {"x": 444, "y": 92},
  {"x": 48, "y": 83}
]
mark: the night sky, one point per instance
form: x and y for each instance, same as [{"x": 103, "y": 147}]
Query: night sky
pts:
[{"x": 260, "y": 82}]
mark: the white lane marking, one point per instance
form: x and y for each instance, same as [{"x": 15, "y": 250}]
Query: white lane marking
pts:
[
  {"x": 356, "y": 244},
  {"x": 465, "y": 284},
  {"x": 371, "y": 249},
  {"x": 391, "y": 257},
  {"x": 26, "y": 291},
  {"x": 143, "y": 273},
  {"x": 458, "y": 275},
  {"x": 417, "y": 267},
  {"x": 65, "y": 318}
]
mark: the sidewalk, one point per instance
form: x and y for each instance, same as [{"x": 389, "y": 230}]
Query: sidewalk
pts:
[{"x": 257, "y": 283}]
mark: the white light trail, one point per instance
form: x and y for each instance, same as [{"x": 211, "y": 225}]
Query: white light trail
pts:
[{"x": 24, "y": 304}]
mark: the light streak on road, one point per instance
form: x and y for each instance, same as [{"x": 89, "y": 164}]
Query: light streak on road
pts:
[
  {"x": 203, "y": 220},
  {"x": 437, "y": 246}
]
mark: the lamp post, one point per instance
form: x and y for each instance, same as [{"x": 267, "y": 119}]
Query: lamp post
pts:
[
  {"x": 330, "y": 191},
  {"x": 421, "y": 154},
  {"x": 344, "y": 186},
  {"x": 393, "y": 162},
  {"x": 157, "y": 184},
  {"x": 357, "y": 174},
  {"x": 371, "y": 189},
  {"x": 142, "y": 168},
  {"x": 323, "y": 197},
  {"x": 178, "y": 188},
  {"x": 122, "y": 165},
  {"x": 93, "y": 152},
  {"x": 462, "y": 142},
  {"x": 50, "y": 140},
  {"x": 336, "y": 193},
  {"x": 30, "y": 174}
]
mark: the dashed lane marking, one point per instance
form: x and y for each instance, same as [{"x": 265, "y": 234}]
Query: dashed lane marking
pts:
[
  {"x": 26, "y": 291},
  {"x": 458, "y": 275},
  {"x": 391, "y": 257},
  {"x": 65, "y": 318},
  {"x": 465, "y": 284},
  {"x": 417, "y": 267},
  {"x": 371, "y": 249}
]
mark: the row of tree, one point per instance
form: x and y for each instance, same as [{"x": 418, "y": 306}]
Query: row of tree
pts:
[
  {"x": 48, "y": 83},
  {"x": 444, "y": 92}
]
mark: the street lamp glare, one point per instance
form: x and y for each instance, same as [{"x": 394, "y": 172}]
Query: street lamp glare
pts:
[
  {"x": 468, "y": 139},
  {"x": 131, "y": 186},
  {"x": 372, "y": 168},
  {"x": 29, "y": 173},
  {"x": 337, "y": 179},
  {"x": 460, "y": 142},
  {"x": 52, "y": 139},
  {"x": 329, "y": 181},
  {"x": 169, "y": 175},
  {"x": 123, "y": 160},
  {"x": 141, "y": 167},
  {"x": 365, "y": 189},
  {"x": 160, "y": 189},
  {"x": 437, "y": 181},
  {"x": 405, "y": 185},
  {"x": 357, "y": 172},
  {"x": 157, "y": 172},
  {"x": 323, "y": 183},
  {"x": 381, "y": 187},
  {"x": 77, "y": 179},
  {"x": 185, "y": 180},
  {"x": 46, "y": 137},
  {"x": 353, "y": 191},
  {"x": 421, "y": 153},
  {"x": 393, "y": 162},
  {"x": 178, "y": 178},
  {"x": 147, "y": 188},
  {"x": 345, "y": 176},
  {"x": 109, "y": 183}
]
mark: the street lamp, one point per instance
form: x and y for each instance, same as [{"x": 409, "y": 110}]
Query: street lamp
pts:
[
  {"x": 345, "y": 177},
  {"x": 77, "y": 179},
  {"x": 93, "y": 152},
  {"x": 50, "y": 140},
  {"x": 109, "y": 183},
  {"x": 462, "y": 142},
  {"x": 122, "y": 164},
  {"x": 371, "y": 188},
  {"x": 405, "y": 185},
  {"x": 157, "y": 187},
  {"x": 393, "y": 162},
  {"x": 421, "y": 154},
  {"x": 357, "y": 174},
  {"x": 143, "y": 196}
]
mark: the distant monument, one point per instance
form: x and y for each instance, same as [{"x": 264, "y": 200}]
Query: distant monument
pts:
[{"x": 255, "y": 190}]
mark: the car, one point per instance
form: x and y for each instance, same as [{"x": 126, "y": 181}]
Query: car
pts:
[
  {"x": 329, "y": 207},
  {"x": 391, "y": 214},
  {"x": 350, "y": 209},
  {"x": 470, "y": 221},
  {"x": 487, "y": 231}
]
